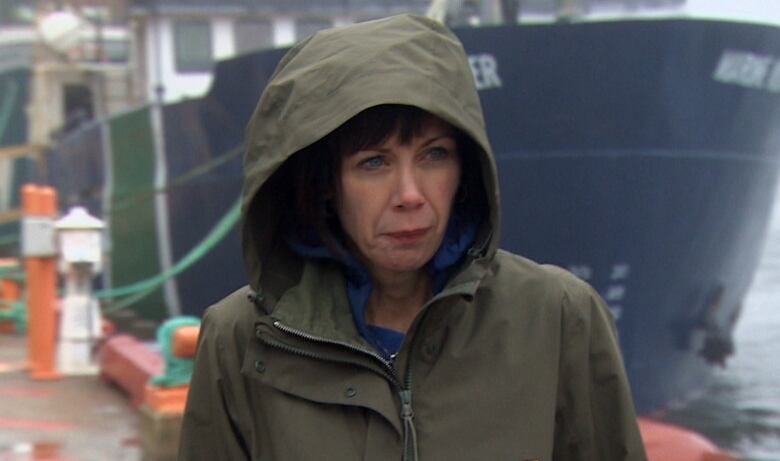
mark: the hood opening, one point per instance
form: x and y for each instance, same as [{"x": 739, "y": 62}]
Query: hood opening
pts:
[
  {"x": 296, "y": 203},
  {"x": 325, "y": 81}
]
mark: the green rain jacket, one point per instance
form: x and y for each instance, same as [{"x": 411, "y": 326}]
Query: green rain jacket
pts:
[{"x": 511, "y": 361}]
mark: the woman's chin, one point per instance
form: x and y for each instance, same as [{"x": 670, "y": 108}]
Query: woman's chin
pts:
[{"x": 403, "y": 264}]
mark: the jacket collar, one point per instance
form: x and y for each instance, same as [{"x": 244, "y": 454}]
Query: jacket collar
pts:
[
  {"x": 319, "y": 305},
  {"x": 457, "y": 243}
]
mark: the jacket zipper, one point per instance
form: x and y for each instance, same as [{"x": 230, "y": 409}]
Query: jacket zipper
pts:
[
  {"x": 388, "y": 372},
  {"x": 410, "y": 432}
]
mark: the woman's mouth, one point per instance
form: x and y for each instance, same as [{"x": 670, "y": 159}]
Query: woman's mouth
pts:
[{"x": 408, "y": 236}]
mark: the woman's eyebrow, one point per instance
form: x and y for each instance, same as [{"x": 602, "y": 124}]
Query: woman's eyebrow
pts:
[
  {"x": 379, "y": 149},
  {"x": 438, "y": 138}
]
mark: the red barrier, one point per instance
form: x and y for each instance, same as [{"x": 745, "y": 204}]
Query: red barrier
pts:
[{"x": 129, "y": 364}]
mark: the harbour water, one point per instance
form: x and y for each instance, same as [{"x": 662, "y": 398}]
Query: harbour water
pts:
[{"x": 740, "y": 408}]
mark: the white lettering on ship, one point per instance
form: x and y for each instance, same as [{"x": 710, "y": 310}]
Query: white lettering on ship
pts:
[
  {"x": 616, "y": 288},
  {"x": 485, "y": 70},
  {"x": 748, "y": 69}
]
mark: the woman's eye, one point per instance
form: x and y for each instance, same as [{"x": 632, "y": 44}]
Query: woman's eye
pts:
[
  {"x": 372, "y": 162},
  {"x": 437, "y": 153}
]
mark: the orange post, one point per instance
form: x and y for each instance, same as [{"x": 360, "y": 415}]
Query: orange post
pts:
[
  {"x": 37, "y": 203},
  {"x": 31, "y": 207},
  {"x": 48, "y": 318}
]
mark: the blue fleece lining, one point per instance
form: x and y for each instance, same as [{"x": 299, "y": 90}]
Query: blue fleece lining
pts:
[{"x": 359, "y": 285}]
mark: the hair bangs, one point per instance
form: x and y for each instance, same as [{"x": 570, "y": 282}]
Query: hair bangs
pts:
[{"x": 376, "y": 125}]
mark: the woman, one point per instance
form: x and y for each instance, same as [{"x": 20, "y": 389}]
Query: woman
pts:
[{"x": 381, "y": 321}]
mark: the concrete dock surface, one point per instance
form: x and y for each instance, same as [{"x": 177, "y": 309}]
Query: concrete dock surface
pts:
[{"x": 75, "y": 418}]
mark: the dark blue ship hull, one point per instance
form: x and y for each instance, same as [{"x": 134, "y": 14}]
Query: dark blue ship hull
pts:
[
  {"x": 643, "y": 156},
  {"x": 629, "y": 153}
]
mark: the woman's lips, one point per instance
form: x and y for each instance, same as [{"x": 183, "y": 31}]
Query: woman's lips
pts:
[{"x": 408, "y": 236}]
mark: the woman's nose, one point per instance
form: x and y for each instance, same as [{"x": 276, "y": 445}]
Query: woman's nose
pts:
[{"x": 409, "y": 193}]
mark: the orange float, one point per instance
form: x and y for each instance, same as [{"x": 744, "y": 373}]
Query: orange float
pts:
[
  {"x": 185, "y": 340},
  {"x": 667, "y": 442}
]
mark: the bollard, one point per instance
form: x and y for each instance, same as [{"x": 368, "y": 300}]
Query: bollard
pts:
[
  {"x": 39, "y": 206},
  {"x": 79, "y": 237}
]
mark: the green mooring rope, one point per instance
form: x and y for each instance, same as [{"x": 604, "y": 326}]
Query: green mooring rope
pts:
[
  {"x": 15, "y": 312},
  {"x": 139, "y": 290},
  {"x": 11, "y": 272},
  {"x": 177, "y": 371}
]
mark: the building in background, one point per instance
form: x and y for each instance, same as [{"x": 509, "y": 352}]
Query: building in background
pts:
[
  {"x": 178, "y": 41},
  {"x": 62, "y": 64},
  {"x": 78, "y": 56}
]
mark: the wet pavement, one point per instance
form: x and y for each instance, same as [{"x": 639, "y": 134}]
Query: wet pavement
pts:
[{"x": 71, "y": 419}]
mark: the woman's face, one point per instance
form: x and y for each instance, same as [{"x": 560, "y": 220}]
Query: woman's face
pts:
[{"x": 396, "y": 199}]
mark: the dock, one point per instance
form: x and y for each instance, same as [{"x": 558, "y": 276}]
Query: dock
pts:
[{"x": 81, "y": 418}]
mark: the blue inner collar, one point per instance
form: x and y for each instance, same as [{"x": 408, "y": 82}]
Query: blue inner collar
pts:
[{"x": 457, "y": 240}]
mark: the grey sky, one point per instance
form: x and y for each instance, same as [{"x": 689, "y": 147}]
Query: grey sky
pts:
[{"x": 767, "y": 11}]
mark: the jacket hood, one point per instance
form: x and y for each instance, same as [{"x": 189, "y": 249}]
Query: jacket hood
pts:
[{"x": 324, "y": 81}]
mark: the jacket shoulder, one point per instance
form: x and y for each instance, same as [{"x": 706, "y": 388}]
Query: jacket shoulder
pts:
[
  {"x": 237, "y": 303},
  {"x": 530, "y": 277},
  {"x": 231, "y": 319},
  {"x": 521, "y": 265},
  {"x": 595, "y": 417}
]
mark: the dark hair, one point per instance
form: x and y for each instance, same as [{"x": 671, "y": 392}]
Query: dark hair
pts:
[{"x": 312, "y": 175}]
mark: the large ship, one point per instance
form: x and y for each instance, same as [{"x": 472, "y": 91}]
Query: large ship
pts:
[{"x": 642, "y": 155}]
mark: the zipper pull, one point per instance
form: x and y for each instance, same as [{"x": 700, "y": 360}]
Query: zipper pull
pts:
[{"x": 410, "y": 433}]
